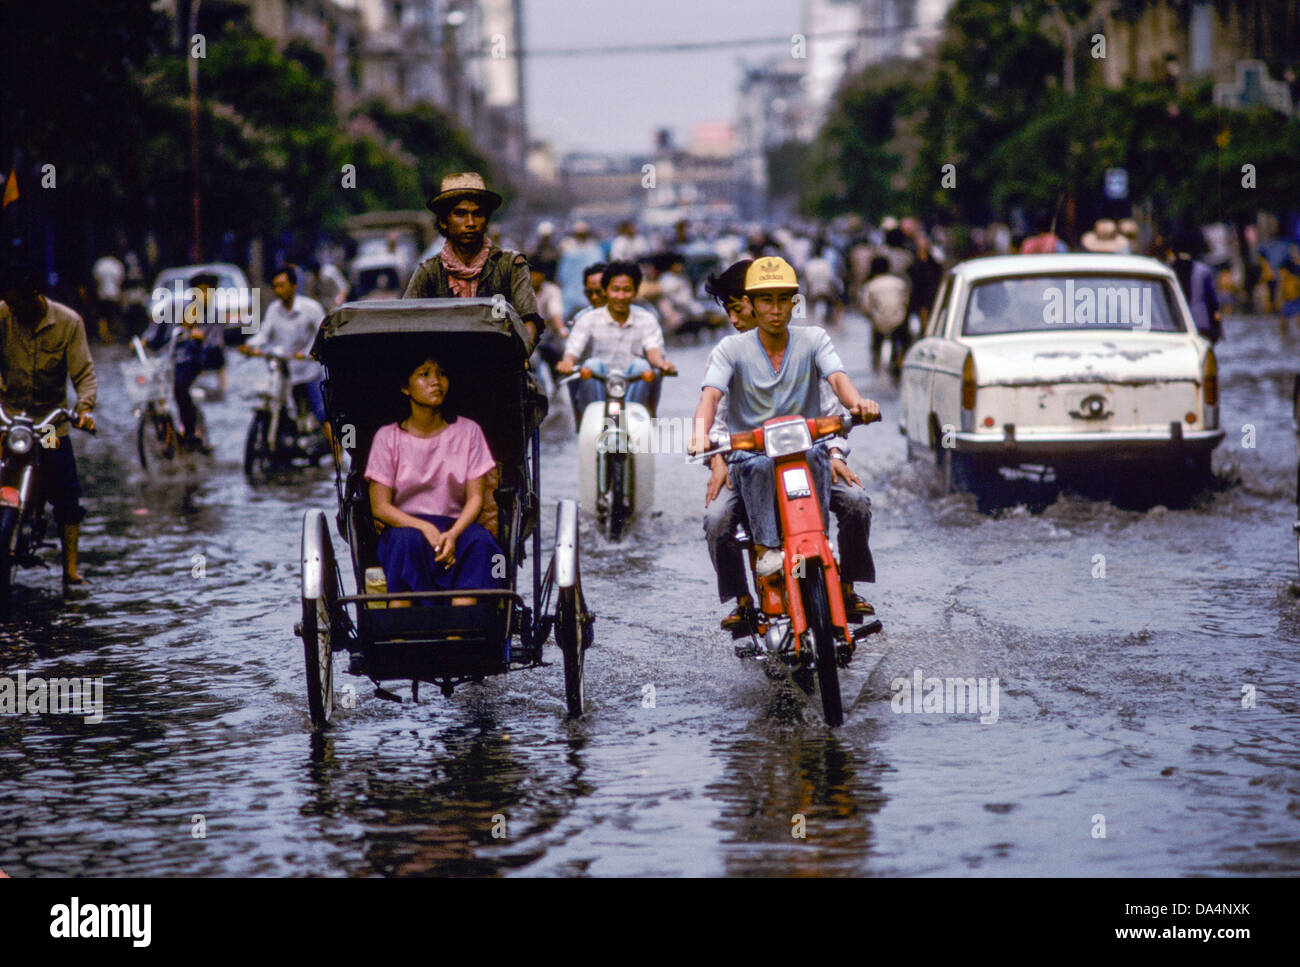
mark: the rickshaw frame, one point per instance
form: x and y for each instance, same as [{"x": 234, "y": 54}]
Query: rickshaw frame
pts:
[{"x": 367, "y": 349}]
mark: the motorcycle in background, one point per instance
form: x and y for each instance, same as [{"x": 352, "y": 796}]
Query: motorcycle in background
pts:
[
  {"x": 616, "y": 448},
  {"x": 150, "y": 388},
  {"x": 23, "y": 522},
  {"x": 284, "y": 431}
]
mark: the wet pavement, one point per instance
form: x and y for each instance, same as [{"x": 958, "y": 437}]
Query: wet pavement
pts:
[{"x": 1121, "y": 697}]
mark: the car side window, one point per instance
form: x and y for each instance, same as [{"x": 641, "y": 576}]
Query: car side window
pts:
[{"x": 940, "y": 311}]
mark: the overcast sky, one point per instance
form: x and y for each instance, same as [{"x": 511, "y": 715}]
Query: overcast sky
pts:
[{"x": 613, "y": 103}]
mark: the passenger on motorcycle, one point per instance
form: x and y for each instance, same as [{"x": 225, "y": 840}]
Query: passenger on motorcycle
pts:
[
  {"x": 723, "y": 508},
  {"x": 617, "y": 334},
  {"x": 192, "y": 354},
  {"x": 770, "y": 371},
  {"x": 290, "y": 329},
  {"x": 592, "y": 288},
  {"x": 42, "y": 345}
]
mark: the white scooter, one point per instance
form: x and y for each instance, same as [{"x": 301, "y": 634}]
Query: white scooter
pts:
[{"x": 616, "y": 449}]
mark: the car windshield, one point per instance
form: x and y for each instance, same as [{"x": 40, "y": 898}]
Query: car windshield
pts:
[
  {"x": 1043, "y": 303},
  {"x": 228, "y": 279}
]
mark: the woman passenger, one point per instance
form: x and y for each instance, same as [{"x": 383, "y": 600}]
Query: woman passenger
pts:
[{"x": 427, "y": 479}]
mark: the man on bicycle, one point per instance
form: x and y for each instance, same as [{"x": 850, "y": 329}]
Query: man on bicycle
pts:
[
  {"x": 192, "y": 354},
  {"x": 43, "y": 345},
  {"x": 769, "y": 371},
  {"x": 289, "y": 329}
]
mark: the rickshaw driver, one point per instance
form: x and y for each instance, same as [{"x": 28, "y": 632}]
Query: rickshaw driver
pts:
[
  {"x": 469, "y": 265},
  {"x": 724, "y": 511},
  {"x": 768, "y": 372}
]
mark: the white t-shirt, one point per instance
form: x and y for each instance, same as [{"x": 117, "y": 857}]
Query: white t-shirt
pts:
[
  {"x": 109, "y": 273},
  {"x": 616, "y": 345},
  {"x": 291, "y": 332}
]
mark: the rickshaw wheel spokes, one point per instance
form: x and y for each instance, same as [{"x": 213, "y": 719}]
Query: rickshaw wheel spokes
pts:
[{"x": 316, "y": 627}]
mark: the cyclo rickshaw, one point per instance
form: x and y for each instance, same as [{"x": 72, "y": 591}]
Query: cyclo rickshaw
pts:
[{"x": 481, "y": 345}]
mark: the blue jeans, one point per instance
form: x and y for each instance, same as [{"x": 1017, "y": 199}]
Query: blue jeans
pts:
[
  {"x": 315, "y": 398},
  {"x": 754, "y": 475},
  {"x": 588, "y": 391},
  {"x": 407, "y": 558},
  {"x": 851, "y": 507}
]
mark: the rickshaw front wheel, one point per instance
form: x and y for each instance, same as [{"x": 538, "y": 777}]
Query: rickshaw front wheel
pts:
[
  {"x": 568, "y": 636},
  {"x": 320, "y": 661},
  {"x": 320, "y": 584}
]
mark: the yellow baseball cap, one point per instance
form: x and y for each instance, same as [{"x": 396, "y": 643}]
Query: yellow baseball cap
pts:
[{"x": 770, "y": 273}]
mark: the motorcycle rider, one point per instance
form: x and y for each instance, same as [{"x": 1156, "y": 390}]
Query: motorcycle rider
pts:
[
  {"x": 289, "y": 328},
  {"x": 770, "y": 371},
  {"x": 723, "y": 509},
  {"x": 192, "y": 354},
  {"x": 616, "y": 334},
  {"x": 43, "y": 344}
]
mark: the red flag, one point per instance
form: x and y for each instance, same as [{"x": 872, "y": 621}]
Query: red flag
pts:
[{"x": 11, "y": 190}]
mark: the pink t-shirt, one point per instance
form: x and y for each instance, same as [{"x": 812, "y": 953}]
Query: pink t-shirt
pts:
[{"x": 428, "y": 476}]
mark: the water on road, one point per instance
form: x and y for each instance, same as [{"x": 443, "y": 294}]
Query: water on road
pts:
[{"x": 1129, "y": 647}]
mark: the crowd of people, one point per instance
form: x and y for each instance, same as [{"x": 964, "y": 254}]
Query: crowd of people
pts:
[{"x": 607, "y": 305}]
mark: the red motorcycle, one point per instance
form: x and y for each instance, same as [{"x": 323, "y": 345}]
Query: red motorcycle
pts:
[{"x": 800, "y": 618}]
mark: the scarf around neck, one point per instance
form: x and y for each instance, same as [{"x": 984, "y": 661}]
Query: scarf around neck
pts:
[{"x": 463, "y": 278}]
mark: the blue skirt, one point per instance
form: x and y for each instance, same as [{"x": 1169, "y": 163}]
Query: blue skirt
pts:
[{"x": 407, "y": 558}]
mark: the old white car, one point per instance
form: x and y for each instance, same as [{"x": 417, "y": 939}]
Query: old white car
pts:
[{"x": 1069, "y": 361}]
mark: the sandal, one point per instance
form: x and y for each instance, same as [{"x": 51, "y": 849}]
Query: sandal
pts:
[{"x": 856, "y": 604}]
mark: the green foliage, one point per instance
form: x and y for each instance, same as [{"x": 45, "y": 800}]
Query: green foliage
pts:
[
  {"x": 110, "y": 110},
  {"x": 436, "y": 146},
  {"x": 991, "y": 104},
  {"x": 856, "y": 162}
]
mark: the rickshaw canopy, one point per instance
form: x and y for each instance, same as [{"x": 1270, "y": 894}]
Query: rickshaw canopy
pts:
[{"x": 369, "y": 348}]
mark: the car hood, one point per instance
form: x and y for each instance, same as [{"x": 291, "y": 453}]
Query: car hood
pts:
[{"x": 1024, "y": 360}]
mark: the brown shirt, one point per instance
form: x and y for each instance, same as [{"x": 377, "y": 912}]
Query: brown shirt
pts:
[
  {"x": 35, "y": 364},
  {"x": 505, "y": 273}
]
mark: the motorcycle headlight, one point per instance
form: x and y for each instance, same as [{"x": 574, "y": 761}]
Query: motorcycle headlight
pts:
[
  {"x": 786, "y": 438},
  {"x": 20, "y": 441},
  {"x": 616, "y": 386}
]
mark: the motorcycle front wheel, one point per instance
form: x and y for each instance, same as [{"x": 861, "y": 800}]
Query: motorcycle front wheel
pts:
[
  {"x": 156, "y": 438},
  {"x": 8, "y": 523},
  {"x": 257, "y": 450},
  {"x": 817, "y": 609},
  {"x": 618, "y": 506}
]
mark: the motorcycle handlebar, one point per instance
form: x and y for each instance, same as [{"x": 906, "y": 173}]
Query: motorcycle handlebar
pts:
[
  {"x": 830, "y": 426},
  {"x": 50, "y": 419}
]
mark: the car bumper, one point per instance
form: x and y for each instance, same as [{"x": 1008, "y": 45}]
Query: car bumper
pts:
[{"x": 1012, "y": 442}]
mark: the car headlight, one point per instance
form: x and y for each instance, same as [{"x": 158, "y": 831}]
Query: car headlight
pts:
[
  {"x": 20, "y": 441},
  {"x": 786, "y": 438},
  {"x": 616, "y": 386}
]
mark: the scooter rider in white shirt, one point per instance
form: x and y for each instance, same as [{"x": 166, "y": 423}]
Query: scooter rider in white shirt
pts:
[{"x": 290, "y": 329}]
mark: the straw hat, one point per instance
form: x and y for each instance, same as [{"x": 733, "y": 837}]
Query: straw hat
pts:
[
  {"x": 1105, "y": 237},
  {"x": 466, "y": 184}
]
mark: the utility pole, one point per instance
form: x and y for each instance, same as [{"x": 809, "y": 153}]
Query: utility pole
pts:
[{"x": 196, "y": 245}]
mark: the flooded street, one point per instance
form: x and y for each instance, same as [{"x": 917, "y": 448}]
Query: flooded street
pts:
[{"x": 1120, "y": 703}]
